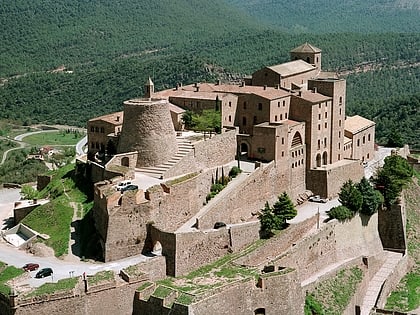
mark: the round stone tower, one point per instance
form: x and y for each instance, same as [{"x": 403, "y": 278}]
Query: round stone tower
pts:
[{"x": 148, "y": 129}]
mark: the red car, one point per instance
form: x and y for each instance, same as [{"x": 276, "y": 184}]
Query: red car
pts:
[{"x": 30, "y": 267}]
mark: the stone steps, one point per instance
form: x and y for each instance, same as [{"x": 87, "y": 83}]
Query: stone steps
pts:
[{"x": 158, "y": 171}]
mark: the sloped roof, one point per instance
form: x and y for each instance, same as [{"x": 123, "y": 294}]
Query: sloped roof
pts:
[
  {"x": 111, "y": 118},
  {"x": 355, "y": 124},
  {"x": 292, "y": 68},
  {"x": 306, "y": 48},
  {"x": 313, "y": 97}
]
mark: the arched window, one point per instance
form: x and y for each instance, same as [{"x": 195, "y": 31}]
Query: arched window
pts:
[
  {"x": 297, "y": 140},
  {"x": 125, "y": 161},
  {"x": 325, "y": 158},
  {"x": 318, "y": 160}
]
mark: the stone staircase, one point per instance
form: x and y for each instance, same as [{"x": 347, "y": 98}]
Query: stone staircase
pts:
[
  {"x": 158, "y": 171},
  {"x": 378, "y": 279}
]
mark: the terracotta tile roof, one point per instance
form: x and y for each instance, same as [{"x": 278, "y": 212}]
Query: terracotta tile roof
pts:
[
  {"x": 313, "y": 97},
  {"x": 111, "y": 118},
  {"x": 208, "y": 90},
  {"x": 357, "y": 123},
  {"x": 306, "y": 48},
  {"x": 292, "y": 68}
]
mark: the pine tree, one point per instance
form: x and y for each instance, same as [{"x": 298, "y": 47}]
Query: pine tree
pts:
[
  {"x": 284, "y": 208},
  {"x": 371, "y": 199},
  {"x": 350, "y": 196}
]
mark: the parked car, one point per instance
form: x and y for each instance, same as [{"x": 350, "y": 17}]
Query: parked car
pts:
[
  {"x": 30, "y": 267},
  {"x": 317, "y": 198},
  {"x": 123, "y": 184},
  {"x": 129, "y": 187},
  {"x": 44, "y": 272}
]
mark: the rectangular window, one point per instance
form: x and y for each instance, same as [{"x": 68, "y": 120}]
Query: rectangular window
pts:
[{"x": 259, "y": 106}]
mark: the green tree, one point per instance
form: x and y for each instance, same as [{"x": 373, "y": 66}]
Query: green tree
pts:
[
  {"x": 284, "y": 209},
  {"x": 371, "y": 199},
  {"x": 350, "y": 196},
  {"x": 187, "y": 119},
  {"x": 269, "y": 221},
  {"x": 392, "y": 177},
  {"x": 341, "y": 213},
  {"x": 28, "y": 192},
  {"x": 395, "y": 139}
]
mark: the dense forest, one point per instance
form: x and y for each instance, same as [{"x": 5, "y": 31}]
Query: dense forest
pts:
[
  {"x": 325, "y": 16},
  {"x": 63, "y": 62}
]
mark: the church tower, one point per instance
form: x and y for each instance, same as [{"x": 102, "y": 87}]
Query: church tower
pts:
[
  {"x": 149, "y": 88},
  {"x": 308, "y": 53}
]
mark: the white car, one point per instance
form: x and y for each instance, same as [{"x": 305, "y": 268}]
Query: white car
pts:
[
  {"x": 123, "y": 184},
  {"x": 317, "y": 198}
]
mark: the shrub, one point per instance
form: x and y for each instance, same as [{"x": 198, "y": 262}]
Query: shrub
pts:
[
  {"x": 341, "y": 213},
  {"x": 234, "y": 171}
]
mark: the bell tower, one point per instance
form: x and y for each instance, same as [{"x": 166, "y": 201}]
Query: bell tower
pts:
[{"x": 308, "y": 53}]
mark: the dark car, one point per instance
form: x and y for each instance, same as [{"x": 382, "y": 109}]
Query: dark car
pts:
[
  {"x": 30, "y": 267},
  {"x": 129, "y": 187},
  {"x": 44, "y": 272}
]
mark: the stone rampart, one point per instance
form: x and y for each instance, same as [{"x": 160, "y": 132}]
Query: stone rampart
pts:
[
  {"x": 334, "y": 242},
  {"x": 241, "y": 204},
  {"x": 277, "y": 245},
  {"x": 209, "y": 153},
  {"x": 392, "y": 227}
]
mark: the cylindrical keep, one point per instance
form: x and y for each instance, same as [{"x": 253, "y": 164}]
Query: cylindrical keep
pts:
[{"x": 148, "y": 129}]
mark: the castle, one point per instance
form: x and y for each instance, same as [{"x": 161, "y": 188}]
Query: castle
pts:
[{"x": 287, "y": 121}]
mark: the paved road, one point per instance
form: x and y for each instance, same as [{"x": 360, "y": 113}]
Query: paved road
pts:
[{"x": 80, "y": 146}]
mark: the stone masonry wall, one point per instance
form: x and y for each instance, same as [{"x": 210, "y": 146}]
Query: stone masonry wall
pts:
[
  {"x": 392, "y": 227},
  {"x": 264, "y": 184},
  {"x": 218, "y": 150}
]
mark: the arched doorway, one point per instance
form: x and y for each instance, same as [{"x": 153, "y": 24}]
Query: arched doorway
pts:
[
  {"x": 125, "y": 161},
  {"x": 318, "y": 160},
  {"x": 157, "y": 248},
  {"x": 259, "y": 311},
  {"x": 244, "y": 149},
  {"x": 325, "y": 158}
]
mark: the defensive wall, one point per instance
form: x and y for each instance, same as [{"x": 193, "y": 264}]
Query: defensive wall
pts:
[
  {"x": 392, "y": 226},
  {"x": 113, "y": 296},
  {"x": 326, "y": 181},
  {"x": 218, "y": 150},
  {"x": 268, "y": 294}
]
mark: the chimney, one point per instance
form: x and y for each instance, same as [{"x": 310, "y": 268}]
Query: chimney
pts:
[
  {"x": 197, "y": 88},
  {"x": 265, "y": 87},
  {"x": 177, "y": 87},
  {"x": 278, "y": 86},
  {"x": 300, "y": 93},
  {"x": 118, "y": 118},
  {"x": 242, "y": 84},
  {"x": 314, "y": 90},
  {"x": 218, "y": 82},
  {"x": 196, "y": 84}
]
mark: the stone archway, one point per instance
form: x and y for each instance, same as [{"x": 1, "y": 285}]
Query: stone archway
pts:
[
  {"x": 244, "y": 149},
  {"x": 157, "y": 248},
  {"x": 125, "y": 161},
  {"x": 318, "y": 160},
  {"x": 259, "y": 311}
]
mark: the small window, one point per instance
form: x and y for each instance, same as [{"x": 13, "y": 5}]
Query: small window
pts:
[
  {"x": 230, "y": 104},
  {"x": 230, "y": 118},
  {"x": 275, "y": 118},
  {"x": 259, "y": 106},
  {"x": 326, "y": 114},
  {"x": 319, "y": 105},
  {"x": 102, "y": 130},
  {"x": 325, "y": 142},
  {"x": 278, "y": 104},
  {"x": 281, "y": 116},
  {"x": 339, "y": 123},
  {"x": 319, "y": 144},
  {"x": 282, "y": 153},
  {"x": 284, "y": 103},
  {"x": 339, "y": 134},
  {"x": 364, "y": 139},
  {"x": 340, "y": 111},
  {"x": 319, "y": 126},
  {"x": 282, "y": 140},
  {"x": 368, "y": 137},
  {"x": 244, "y": 121},
  {"x": 285, "y": 115},
  {"x": 255, "y": 120},
  {"x": 319, "y": 116},
  {"x": 358, "y": 142},
  {"x": 340, "y": 101},
  {"x": 92, "y": 129},
  {"x": 326, "y": 125},
  {"x": 244, "y": 105},
  {"x": 96, "y": 129}
]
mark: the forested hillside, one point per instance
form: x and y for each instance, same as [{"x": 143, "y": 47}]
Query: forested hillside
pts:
[
  {"x": 325, "y": 16},
  {"x": 63, "y": 62}
]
